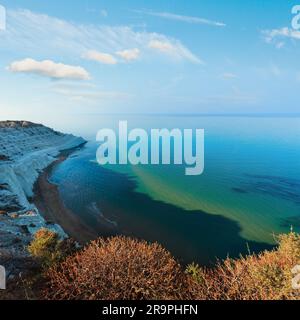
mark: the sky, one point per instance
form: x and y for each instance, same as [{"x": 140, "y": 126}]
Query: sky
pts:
[{"x": 59, "y": 58}]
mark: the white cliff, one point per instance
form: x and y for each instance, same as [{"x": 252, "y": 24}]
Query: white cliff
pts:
[{"x": 25, "y": 150}]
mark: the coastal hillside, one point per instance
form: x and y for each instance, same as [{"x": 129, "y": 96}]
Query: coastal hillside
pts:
[{"x": 25, "y": 150}]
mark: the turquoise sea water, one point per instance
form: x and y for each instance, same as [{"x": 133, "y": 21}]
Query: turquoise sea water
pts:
[{"x": 250, "y": 189}]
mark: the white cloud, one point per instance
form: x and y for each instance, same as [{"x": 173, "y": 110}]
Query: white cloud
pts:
[
  {"x": 101, "y": 57},
  {"x": 182, "y": 18},
  {"x": 129, "y": 54},
  {"x": 105, "y": 58},
  {"x": 43, "y": 35},
  {"x": 48, "y": 68},
  {"x": 176, "y": 50},
  {"x": 276, "y": 36}
]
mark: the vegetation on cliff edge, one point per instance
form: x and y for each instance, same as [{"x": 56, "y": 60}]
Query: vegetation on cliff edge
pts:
[{"x": 124, "y": 268}]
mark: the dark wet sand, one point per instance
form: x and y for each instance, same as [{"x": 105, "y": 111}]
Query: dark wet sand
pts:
[{"x": 52, "y": 208}]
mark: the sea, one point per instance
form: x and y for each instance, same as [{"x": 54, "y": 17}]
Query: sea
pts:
[{"x": 248, "y": 193}]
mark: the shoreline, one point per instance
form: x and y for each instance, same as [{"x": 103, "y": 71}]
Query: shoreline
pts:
[
  {"x": 52, "y": 208},
  {"x": 26, "y": 151}
]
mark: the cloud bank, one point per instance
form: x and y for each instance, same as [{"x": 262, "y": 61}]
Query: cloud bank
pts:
[{"x": 30, "y": 32}]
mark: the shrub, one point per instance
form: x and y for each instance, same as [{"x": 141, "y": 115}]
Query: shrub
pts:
[
  {"x": 266, "y": 276},
  {"x": 118, "y": 268},
  {"x": 48, "y": 248}
]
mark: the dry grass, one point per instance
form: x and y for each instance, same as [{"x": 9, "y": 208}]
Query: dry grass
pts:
[
  {"x": 119, "y": 268},
  {"x": 267, "y": 276},
  {"x": 126, "y": 269}
]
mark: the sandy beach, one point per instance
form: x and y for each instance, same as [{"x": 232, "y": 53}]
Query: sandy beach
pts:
[{"x": 52, "y": 208}]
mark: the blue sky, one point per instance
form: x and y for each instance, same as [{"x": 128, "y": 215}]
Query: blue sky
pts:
[{"x": 72, "y": 57}]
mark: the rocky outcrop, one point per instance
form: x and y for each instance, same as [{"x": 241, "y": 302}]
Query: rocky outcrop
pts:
[{"x": 25, "y": 150}]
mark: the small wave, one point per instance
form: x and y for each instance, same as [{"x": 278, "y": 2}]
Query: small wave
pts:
[{"x": 94, "y": 209}]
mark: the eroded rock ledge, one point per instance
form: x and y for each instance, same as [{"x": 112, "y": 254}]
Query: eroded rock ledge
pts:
[{"x": 25, "y": 150}]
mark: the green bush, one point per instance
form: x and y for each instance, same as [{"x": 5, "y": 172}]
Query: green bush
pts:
[{"x": 49, "y": 249}]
